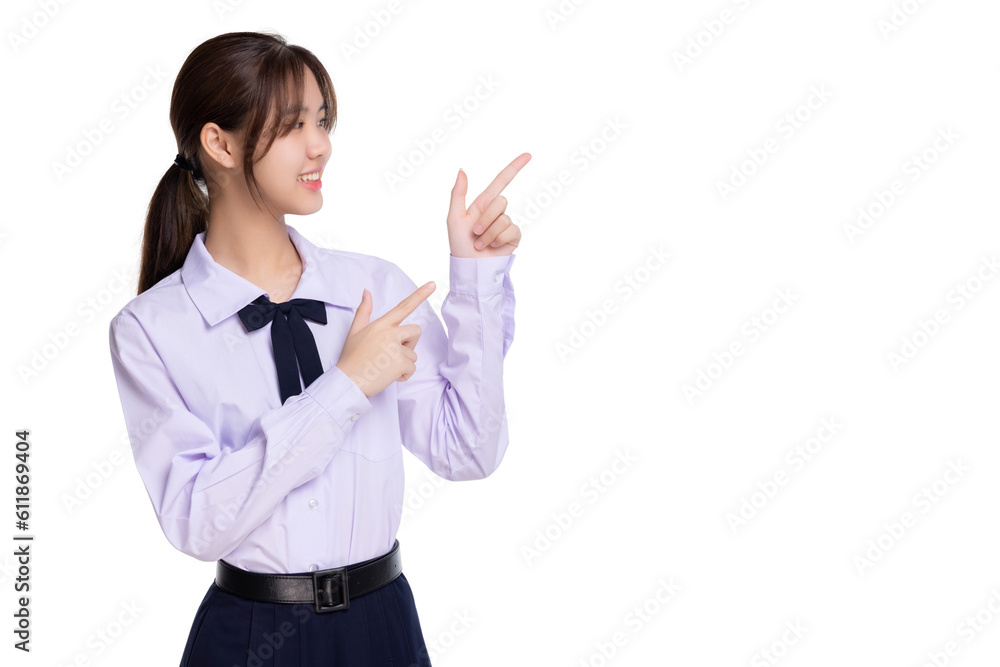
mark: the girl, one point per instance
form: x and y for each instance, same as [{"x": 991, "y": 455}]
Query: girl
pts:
[{"x": 295, "y": 486}]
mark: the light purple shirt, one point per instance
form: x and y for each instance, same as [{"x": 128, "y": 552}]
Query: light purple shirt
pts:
[{"x": 317, "y": 482}]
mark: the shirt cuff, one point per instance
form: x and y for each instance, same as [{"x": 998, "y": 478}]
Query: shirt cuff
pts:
[
  {"x": 479, "y": 276},
  {"x": 342, "y": 399}
]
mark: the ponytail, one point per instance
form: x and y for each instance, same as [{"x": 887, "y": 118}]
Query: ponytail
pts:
[{"x": 177, "y": 213}]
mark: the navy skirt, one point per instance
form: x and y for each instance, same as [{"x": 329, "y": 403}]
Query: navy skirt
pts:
[{"x": 377, "y": 629}]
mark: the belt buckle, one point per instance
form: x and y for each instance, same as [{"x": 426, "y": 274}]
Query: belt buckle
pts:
[{"x": 330, "y": 590}]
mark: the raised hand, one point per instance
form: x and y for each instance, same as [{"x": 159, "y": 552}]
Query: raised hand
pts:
[
  {"x": 378, "y": 353},
  {"x": 484, "y": 221}
]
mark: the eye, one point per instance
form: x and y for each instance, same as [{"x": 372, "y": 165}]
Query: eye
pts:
[{"x": 324, "y": 123}]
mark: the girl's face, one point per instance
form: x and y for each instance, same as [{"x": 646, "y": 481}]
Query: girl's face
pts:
[{"x": 306, "y": 149}]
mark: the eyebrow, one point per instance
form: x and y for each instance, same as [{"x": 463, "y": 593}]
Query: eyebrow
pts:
[{"x": 292, "y": 111}]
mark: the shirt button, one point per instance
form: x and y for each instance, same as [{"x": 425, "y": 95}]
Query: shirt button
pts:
[
  {"x": 355, "y": 416},
  {"x": 313, "y": 567},
  {"x": 313, "y": 504},
  {"x": 498, "y": 276}
]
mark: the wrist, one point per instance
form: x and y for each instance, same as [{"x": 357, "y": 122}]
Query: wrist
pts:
[{"x": 357, "y": 379}]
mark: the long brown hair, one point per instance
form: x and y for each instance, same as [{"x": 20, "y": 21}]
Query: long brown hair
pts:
[{"x": 238, "y": 80}]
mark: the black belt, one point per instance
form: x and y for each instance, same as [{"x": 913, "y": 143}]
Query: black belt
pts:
[{"x": 327, "y": 590}]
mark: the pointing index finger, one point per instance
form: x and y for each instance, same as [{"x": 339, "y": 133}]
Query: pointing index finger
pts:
[
  {"x": 499, "y": 183},
  {"x": 405, "y": 307}
]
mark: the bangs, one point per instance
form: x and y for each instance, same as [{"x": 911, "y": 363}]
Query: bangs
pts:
[{"x": 278, "y": 98}]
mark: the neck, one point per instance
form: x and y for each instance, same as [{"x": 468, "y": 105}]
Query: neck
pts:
[{"x": 250, "y": 242}]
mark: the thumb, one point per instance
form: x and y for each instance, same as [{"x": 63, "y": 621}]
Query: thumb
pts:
[
  {"x": 456, "y": 206},
  {"x": 363, "y": 314}
]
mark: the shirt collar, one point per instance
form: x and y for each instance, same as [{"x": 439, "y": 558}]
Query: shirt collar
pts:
[{"x": 219, "y": 293}]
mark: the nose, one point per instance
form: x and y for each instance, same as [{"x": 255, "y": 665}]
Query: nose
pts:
[{"x": 320, "y": 143}]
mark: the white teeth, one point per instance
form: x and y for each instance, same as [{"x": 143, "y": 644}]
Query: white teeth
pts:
[{"x": 309, "y": 177}]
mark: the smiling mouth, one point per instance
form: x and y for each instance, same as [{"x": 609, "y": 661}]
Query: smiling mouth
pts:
[{"x": 310, "y": 177}]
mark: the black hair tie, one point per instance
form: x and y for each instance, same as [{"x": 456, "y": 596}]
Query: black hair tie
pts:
[{"x": 183, "y": 164}]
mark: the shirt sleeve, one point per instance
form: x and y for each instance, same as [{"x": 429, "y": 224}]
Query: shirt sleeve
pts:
[
  {"x": 451, "y": 410},
  {"x": 209, "y": 495}
]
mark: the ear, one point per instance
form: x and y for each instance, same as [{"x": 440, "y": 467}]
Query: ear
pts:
[{"x": 221, "y": 147}]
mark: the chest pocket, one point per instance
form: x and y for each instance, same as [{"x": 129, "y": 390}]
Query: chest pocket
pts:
[{"x": 375, "y": 435}]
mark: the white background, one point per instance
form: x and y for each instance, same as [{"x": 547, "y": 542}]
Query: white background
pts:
[{"x": 662, "y": 134}]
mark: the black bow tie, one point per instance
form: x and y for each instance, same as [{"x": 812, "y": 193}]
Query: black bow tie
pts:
[{"x": 290, "y": 338}]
